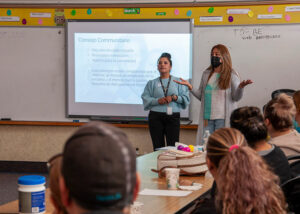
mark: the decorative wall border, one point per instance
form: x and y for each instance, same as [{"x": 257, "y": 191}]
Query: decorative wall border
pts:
[{"x": 266, "y": 12}]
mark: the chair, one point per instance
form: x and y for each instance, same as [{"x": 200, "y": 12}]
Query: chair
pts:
[
  {"x": 295, "y": 165},
  {"x": 289, "y": 92},
  {"x": 291, "y": 189}
]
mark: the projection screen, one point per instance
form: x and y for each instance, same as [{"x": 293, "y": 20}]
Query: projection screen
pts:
[{"x": 109, "y": 63}]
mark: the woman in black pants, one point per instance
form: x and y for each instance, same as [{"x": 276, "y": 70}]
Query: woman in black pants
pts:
[{"x": 164, "y": 98}]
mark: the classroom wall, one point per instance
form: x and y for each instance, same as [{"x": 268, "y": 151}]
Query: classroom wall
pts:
[
  {"x": 39, "y": 143},
  {"x": 33, "y": 51}
]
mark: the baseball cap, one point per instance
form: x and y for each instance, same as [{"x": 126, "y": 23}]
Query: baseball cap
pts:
[{"x": 99, "y": 167}]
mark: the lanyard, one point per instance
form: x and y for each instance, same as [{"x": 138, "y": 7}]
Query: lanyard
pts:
[{"x": 165, "y": 89}]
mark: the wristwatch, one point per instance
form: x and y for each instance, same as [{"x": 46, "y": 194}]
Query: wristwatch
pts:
[{"x": 174, "y": 97}]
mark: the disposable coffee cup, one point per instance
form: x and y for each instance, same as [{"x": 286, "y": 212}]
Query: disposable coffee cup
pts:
[
  {"x": 136, "y": 208},
  {"x": 172, "y": 178}
]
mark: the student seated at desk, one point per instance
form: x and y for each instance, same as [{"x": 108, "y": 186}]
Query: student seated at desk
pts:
[
  {"x": 250, "y": 122},
  {"x": 278, "y": 114},
  {"x": 244, "y": 182},
  {"x": 98, "y": 172},
  {"x": 54, "y": 166},
  {"x": 296, "y": 98}
]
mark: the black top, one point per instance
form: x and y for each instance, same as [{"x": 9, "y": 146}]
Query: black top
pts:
[
  {"x": 206, "y": 205},
  {"x": 278, "y": 162}
]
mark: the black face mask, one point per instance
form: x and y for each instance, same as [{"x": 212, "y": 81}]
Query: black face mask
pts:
[{"x": 215, "y": 61}]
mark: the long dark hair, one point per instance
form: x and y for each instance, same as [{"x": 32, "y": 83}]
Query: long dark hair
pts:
[
  {"x": 226, "y": 67},
  {"x": 249, "y": 121}
]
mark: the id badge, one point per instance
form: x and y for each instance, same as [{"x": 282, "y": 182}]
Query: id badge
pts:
[{"x": 169, "y": 110}]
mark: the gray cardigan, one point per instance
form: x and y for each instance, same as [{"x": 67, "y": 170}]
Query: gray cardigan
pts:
[{"x": 233, "y": 94}]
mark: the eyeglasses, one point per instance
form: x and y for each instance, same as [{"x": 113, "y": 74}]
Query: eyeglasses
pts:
[{"x": 52, "y": 160}]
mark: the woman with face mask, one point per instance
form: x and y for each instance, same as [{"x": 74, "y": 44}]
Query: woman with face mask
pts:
[{"x": 220, "y": 88}]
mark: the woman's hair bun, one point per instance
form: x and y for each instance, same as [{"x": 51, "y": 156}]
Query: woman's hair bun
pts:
[{"x": 166, "y": 55}]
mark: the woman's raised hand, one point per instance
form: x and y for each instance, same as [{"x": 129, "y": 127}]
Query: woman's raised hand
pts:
[
  {"x": 245, "y": 82},
  {"x": 184, "y": 82}
]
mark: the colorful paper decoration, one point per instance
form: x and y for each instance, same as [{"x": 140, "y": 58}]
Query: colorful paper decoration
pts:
[
  {"x": 59, "y": 17},
  {"x": 210, "y": 10},
  {"x": 89, "y": 11},
  {"x": 189, "y": 13},
  {"x": 250, "y": 13},
  {"x": 270, "y": 9},
  {"x": 108, "y": 13},
  {"x": 161, "y": 13},
  {"x": 132, "y": 10}
]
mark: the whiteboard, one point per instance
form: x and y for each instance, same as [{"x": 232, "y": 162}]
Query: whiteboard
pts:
[
  {"x": 32, "y": 66},
  {"x": 267, "y": 54}
]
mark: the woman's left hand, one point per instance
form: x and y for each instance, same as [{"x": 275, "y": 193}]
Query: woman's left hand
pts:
[
  {"x": 245, "y": 82},
  {"x": 168, "y": 99}
]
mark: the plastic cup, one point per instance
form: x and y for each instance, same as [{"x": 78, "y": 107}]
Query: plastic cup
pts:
[
  {"x": 172, "y": 178},
  {"x": 136, "y": 208}
]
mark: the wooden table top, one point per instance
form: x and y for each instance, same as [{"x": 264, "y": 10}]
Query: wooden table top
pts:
[
  {"x": 150, "y": 180},
  {"x": 164, "y": 204}
]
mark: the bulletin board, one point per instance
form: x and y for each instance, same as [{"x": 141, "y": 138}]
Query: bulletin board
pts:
[
  {"x": 262, "y": 40},
  {"x": 217, "y": 15}
]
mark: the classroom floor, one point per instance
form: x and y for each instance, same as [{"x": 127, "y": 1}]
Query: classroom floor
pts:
[{"x": 9, "y": 185}]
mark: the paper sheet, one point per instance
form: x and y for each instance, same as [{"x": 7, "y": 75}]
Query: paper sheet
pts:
[
  {"x": 176, "y": 193},
  {"x": 196, "y": 186}
]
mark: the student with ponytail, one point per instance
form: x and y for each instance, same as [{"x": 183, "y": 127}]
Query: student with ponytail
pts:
[{"x": 244, "y": 182}]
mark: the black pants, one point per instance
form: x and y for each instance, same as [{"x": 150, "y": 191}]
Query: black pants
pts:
[{"x": 162, "y": 125}]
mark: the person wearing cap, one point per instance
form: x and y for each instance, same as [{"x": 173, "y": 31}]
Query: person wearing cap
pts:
[
  {"x": 54, "y": 167},
  {"x": 98, "y": 171}
]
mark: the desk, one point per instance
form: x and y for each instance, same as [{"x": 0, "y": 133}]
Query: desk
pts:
[
  {"x": 152, "y": 204},
  {"x": 164, "y": 204}
]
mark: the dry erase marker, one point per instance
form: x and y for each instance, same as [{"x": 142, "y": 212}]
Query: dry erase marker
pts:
[{"x": 5, "y": 118}]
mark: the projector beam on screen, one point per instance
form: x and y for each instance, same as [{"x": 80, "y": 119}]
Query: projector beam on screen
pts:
[{"x": 110, "y": 62}]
